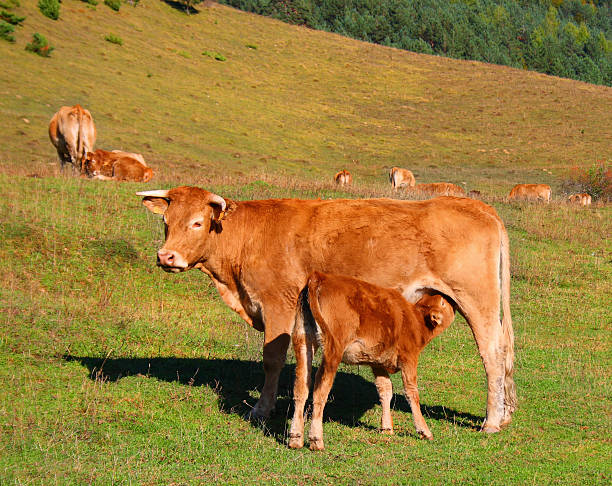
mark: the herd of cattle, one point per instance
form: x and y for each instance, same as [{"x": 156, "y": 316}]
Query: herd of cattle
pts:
[
  {"x": 404, "y": 179},
  {"x": 369, "y": 281},
  {"x": 73, "y": 133}
]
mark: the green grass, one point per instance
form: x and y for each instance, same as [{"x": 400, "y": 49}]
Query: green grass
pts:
[{"x": 112, "y": 371}]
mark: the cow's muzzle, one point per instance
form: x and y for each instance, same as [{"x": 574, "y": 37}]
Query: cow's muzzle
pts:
[{"x": 171, "y": 261}]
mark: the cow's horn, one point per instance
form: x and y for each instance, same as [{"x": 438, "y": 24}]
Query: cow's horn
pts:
[
  {"x": 157, "y": 193},
  {"x": 218, "y": 200}
]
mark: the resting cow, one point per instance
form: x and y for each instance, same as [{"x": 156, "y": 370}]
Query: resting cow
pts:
[
  {"x": 119, "y": 166},
  {"x": 439, "y": 189},
  {"x": 343, "y": 178},
  {"x": 582, "y": 199},
  {"x": 359, "y": 323},
  {"x": 259, "y": 255},
  {"x": 73, "y": 133},
  {"x": 530, "y": 192},
  {"x": 401, "y": 178}
]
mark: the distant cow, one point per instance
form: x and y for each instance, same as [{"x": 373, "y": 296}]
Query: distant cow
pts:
[
  {"x": 343, "y": 178},
  {"x": 582, "y": 199},
  {"x": 116, "y": 165},
  {"x": 530, "y": 192},
  {"x": 360, "y": 323},
  {"x": 259, "y": 255},
  {"x": 401, "y": 178},
  {"x": 439, "y": 189},
  {"x": 73, "y": 133}
]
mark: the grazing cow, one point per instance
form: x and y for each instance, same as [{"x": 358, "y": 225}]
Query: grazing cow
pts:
[
  {"x": 259, "y": 255},
  {"x": 359, "y": 323},
  {"x": 530, "y": 192},
  {"x": 582, "y": 199},
  {"x": 439, "y": 189},
  {"x": 73, "y": 133},
  {"x": 401, "y": 178},
  {"x": 343, "y": 178},
  {"x": 116, "y": 165}
]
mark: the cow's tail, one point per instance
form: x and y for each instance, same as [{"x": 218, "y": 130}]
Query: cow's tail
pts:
[
  {"x": 510, "y": 400},
  {"x": 80, "y": 141}
]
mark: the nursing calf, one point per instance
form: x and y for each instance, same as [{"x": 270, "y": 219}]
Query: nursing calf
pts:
[{"x": 360, "y": 323}]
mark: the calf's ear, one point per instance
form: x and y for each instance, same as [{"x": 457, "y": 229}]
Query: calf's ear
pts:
[{"x": 155, "y": 201}]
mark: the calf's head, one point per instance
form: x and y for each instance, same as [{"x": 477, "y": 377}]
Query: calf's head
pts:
[
  {"x": 190, "y": 214},
  {"x": 437, "y": 311},
  {"x": 91, "y": 164}
]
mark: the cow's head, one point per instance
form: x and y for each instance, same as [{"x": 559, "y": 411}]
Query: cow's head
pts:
[{"x": 189, "y": 214}]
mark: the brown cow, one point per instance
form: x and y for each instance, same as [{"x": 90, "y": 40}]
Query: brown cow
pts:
[
  {"x": 259, "y": 255},
  {"x": 582, "y": 199},
  {"x": 116, "y": 165},
  {"x": 343, "y": 178},
  {"x": 439, "y": 189},
  {"x": 73, "y": 133},
  {"x": 530, "y": 192},
  {"x": 401, "y": 178},
  {"x": 359, "y": 323}
]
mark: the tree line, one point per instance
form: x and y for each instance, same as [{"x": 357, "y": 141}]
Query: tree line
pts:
[{"x": 567, "y": 38}]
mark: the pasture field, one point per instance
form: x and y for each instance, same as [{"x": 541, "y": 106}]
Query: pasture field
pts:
[{"x": 114, "y": 372}]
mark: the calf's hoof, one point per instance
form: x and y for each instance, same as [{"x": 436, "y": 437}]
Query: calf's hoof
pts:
[
  {"x": 425, "y": 434},
  {"x": 296, "y": 441},
  {"x": 490, "y": 429},
  {"x": 316, "y": 444},
  {"x": 386, "y": 431}
]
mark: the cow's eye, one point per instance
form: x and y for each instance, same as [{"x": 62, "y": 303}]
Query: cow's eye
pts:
[{"x": 196, "y": 225}]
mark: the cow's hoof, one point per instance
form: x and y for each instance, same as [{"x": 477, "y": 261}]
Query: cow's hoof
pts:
[
  {"x": 296, "y": 441},
  {"x": 425, "y": 434},
  {"x": 386, "y": 431},
  {"x": 316, "y": 444},
  {"x": 258, "y": 415}
]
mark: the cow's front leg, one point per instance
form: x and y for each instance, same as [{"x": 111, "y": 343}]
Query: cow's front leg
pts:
[{"x": 277, "y": 335}]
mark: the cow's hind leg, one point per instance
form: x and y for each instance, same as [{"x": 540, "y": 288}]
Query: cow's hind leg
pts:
[
  {"x": 489, "y": 338},
  {"x": 304, "y": 351},
  {"x": 385, "y": 393}
]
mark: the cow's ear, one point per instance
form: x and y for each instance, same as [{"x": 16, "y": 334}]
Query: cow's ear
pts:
[
  {"x": 218, "y": 205},
  {"x": 155, "y": 201},
  {"x": 157, "y": 205}
]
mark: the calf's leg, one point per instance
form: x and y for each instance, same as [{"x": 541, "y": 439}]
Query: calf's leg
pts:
[
  {"x": 323, "y": 383},
  {"x": 385, "y": 393},
  {"x": 409, "y": 377}
]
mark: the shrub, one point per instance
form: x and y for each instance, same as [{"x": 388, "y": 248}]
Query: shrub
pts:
[
  {"x": 11, "y": 18},
  {"x": 114, "y": 39},
  {"x": 114, "y": 4},
  {"x": 49, "y": 8},
  {"x": 9, "y": 3},
  {"x": 215, "y": 55},
  {"x": 39, "y": 45},
  {"x": 91, "y": 2},
  {"x": 6, "y": 30},
  {"x": 595, "y": 180}
]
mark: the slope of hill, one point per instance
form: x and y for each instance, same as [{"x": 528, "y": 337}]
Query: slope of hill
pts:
[{"x": 288, "y": 100}]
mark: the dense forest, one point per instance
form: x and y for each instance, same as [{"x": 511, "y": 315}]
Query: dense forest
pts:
[{"x": 567, "y": 38}]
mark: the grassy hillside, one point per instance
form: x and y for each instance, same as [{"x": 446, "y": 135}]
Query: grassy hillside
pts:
[
  {"x": 303, "y": 103},
  {"x": 112, "y": 371}
]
